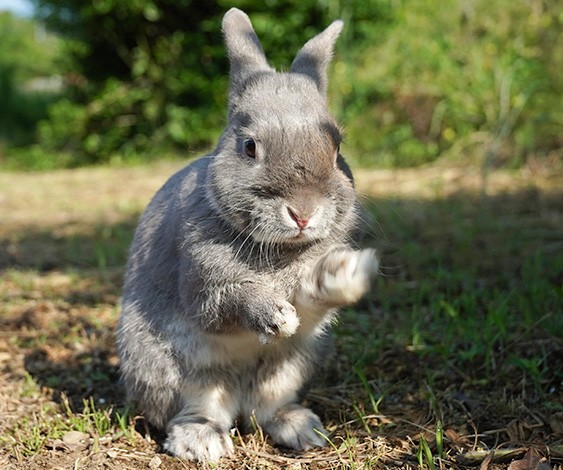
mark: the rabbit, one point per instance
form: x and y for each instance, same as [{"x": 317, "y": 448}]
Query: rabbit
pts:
[{"x": 241, "y": 260}]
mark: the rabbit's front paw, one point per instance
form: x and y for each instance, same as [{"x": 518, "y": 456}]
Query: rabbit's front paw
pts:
[
  {"x": 344, "y": 276},
  {"x": 281, "y": 320}
]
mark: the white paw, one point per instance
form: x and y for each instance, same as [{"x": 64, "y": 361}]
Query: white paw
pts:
[
  {"x": 297, "y": 428},
  {"x": 289, "y": 321},
  {"x": 345, "y": 275},
  {"x": 200, "y": 440},
  {"x": 284, "y": 322}
]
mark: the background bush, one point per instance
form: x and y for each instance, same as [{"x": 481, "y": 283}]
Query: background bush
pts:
[
  {"x": 478, "y": 80},
  {"x": 26, "y": 52},
  {"x": 412, "y": 80},
  {"x": 153, "y": 74}
]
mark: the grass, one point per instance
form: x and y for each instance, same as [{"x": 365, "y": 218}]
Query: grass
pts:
[{"x": 456, "y": 353}]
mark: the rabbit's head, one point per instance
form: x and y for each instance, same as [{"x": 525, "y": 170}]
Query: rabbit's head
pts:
[{"x": 278, "y": 175}]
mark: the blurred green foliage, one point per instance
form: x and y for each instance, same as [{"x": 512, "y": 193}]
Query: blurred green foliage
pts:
[
  {"x": 153, "y": 73},
  {"x": 412, "y": 79},
  {"x": 478, "y": 80},
  {"x": 26, "y": 52}
]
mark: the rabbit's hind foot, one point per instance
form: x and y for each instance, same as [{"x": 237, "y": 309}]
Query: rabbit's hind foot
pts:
[
  {"x": 296, "y": 427},
  {"x": 198, "y": 439}
]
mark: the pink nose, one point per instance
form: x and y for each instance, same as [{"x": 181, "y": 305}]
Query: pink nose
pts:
[{"x": 299, "y": 220}]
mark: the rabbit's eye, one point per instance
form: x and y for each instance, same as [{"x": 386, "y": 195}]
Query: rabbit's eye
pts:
[
  {"x": 336, "y": 154},
  {"x": 250, "y": 148}
]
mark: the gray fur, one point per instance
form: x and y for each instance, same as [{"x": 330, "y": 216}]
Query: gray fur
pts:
[{"x": 227, "y": 303}]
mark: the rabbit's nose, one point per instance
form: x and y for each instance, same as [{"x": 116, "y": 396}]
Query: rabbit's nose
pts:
[{"x": 301, "y": 220}]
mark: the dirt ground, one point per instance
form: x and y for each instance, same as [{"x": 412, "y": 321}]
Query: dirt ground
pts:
[{"x": 388, "y": 399}]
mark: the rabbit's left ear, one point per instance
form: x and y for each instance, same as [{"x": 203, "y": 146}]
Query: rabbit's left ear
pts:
[
  {"x": 313, "y": 59},
  {"x": 246, "y": 55}
]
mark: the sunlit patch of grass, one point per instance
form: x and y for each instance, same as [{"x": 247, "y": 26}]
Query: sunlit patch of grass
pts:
[
  {"x": 32, "y": 434},
  {"x": 31, "y": 441}
]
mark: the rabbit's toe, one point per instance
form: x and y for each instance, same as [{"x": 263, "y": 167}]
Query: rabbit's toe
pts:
[
  {"x": 297, "y": 428},
  {"x": 282, "y": 321},
  {"x": 288, "y": 321},
  {"x": 198, "y": 440}
]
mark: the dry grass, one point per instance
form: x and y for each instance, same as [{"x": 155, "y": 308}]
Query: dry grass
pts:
[{"x": 457, "y": 353}]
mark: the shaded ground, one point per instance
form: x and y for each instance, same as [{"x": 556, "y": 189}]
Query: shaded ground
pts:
[{"x": 456, "y": 353}]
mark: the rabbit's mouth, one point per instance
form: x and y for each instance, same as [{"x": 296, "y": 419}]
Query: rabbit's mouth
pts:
[
  {"x": 305, "y": 235},
  {"x": 287, "y": 236},
  {"x": 301, "y": 238}
]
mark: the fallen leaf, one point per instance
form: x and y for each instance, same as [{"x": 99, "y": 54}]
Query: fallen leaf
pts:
[
  {"x": 5, "y": 356},
  {"x": 56, "y": 444},
  {"x": 487, "y": 460},
  {"x": 530, "y": 461},
  {"x": 518, "y": 431},
  {"x": 456, "y": 438},
  {"x": 155, "y": 462},
  {"x": 75, "y": 439}
]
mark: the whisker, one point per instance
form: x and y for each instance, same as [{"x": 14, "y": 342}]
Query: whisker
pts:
[{"x": 248, "y": 237}]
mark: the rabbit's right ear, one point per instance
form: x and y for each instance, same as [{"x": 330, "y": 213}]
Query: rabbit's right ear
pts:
[
  {"x": 246, "y": 55},
  {"x": 314, "y": 57}
]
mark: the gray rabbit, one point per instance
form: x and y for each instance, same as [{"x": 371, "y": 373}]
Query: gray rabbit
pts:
[{"x": 241, "y": 260}]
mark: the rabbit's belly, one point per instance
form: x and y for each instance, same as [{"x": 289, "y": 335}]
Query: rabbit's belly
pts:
[
  {"x": 246, "y": 381},
  {"x": 234, "y": 348}
]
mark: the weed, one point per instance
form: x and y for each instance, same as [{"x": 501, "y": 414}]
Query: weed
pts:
[
  {"x": 424, "y": 455},
  {"x": 100, "y": 419},
  {"x": 125, "y": 425},
  {"x": 29, "y": 387},
  {"x": 361, "y": 416},
  {"x": 31, "y": 441},
  {"x": 440, "y": 439},
  {"x": 369, "y": 390}
]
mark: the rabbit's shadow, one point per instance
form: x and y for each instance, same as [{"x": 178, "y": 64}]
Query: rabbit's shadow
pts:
[
  {"x": 87, "y": 375},
  {"x": 87, "y": 382}
]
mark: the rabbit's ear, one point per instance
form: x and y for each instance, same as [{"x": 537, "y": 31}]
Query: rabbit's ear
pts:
[
  {"x": 246, "y": 55},
  {"x": 313, "y": 59}
]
